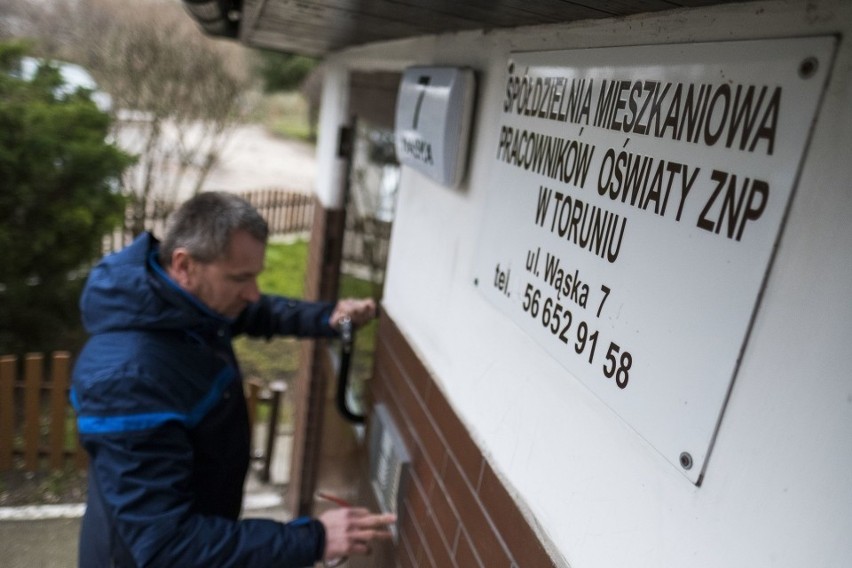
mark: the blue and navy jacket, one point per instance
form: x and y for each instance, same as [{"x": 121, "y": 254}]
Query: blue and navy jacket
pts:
[{"x": 162, "y": 414}]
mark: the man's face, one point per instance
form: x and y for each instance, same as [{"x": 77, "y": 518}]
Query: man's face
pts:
[{"x": 226, "y": 285}]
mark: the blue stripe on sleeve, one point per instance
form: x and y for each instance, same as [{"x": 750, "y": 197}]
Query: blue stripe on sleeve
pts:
[
  {"x": 145, "y": 421},
  {"x": 130, "y": 423}
]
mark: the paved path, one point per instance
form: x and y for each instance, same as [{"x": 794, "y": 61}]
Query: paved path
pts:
[
  {"x": 39, "y": 544},
  {"x": 46, "y": 536},
  {"x": 254, "y": 159},
  {"x": 44, "y": 541}
]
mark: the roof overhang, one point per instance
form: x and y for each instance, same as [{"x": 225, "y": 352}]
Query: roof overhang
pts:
[{"x": 319, "y": 27}]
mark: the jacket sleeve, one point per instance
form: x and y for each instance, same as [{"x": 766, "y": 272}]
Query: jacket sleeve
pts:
[
  {"x": 145, "y": 486},
  {"x": 277, "y": 315}
]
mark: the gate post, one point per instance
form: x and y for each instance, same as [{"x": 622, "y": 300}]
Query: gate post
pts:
[{"x": 312, "y": 380}]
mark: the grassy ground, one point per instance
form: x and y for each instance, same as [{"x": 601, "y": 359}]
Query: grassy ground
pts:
[
  {"x": 276, "y": 359},
  {"x": 285, "y": 115},
  {"x": 19, "y": 487}
]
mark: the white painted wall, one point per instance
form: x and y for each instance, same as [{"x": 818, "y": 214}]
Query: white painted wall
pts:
[
  {"x": 778, "y": 486},
  {"x": 333, "y": 115}
]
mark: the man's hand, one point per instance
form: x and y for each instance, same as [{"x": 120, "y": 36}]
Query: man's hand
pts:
[
  {"x": 359, "y": 311},
  {"x": 350, "y": 531}
]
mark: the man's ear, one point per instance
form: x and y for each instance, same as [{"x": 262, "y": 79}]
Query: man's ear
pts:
[{"x": 182, "y": 267}]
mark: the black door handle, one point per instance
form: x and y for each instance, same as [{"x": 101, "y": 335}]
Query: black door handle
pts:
[{"x": 347, "y": 340}]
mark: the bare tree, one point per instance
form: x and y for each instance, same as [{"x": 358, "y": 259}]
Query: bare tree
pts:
[
  {"x": 176, "y": 93},
  {"x": 21, "y": 18}
]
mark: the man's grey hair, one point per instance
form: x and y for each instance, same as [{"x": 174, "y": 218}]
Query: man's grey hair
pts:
[{"x": 204, "y": 225}]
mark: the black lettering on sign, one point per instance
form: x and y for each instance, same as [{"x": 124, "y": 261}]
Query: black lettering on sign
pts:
[
  {"x": 549, "y": 97},
  {"x": 557, "y": 158},
  {"x": 606, "y": 290},
  {"x": 422, "y": 83},
  {"x": 588, "y": 226},
  {"x": 417, "y": 148},
  {"x": 532, "y": 260},
  {"x": 501, "y": 279},
  {"x": 567, "y": 285},
  {"x": 743, "y": 117},
  {"x": 582, "y": 340},
  {"x": 733, "y": 204},
  {"x": 543, "y": 202},
  {"x": 644, "y": 182}
]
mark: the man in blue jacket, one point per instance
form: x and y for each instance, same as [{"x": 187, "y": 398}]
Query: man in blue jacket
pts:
[{"x": 160, "y": 404}]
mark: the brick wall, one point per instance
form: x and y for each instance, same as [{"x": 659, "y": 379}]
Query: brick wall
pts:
[{"x": 455, "y": 513}]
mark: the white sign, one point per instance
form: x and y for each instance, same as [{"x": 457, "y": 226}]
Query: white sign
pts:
[
  {"x": 433, "y": 113},
  {"x": 635, "y": 202}
]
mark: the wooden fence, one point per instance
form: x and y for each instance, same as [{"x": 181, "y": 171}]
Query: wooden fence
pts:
[
  {"x": 37, "y": 423},
  {"x": 285, "y": 211}
]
